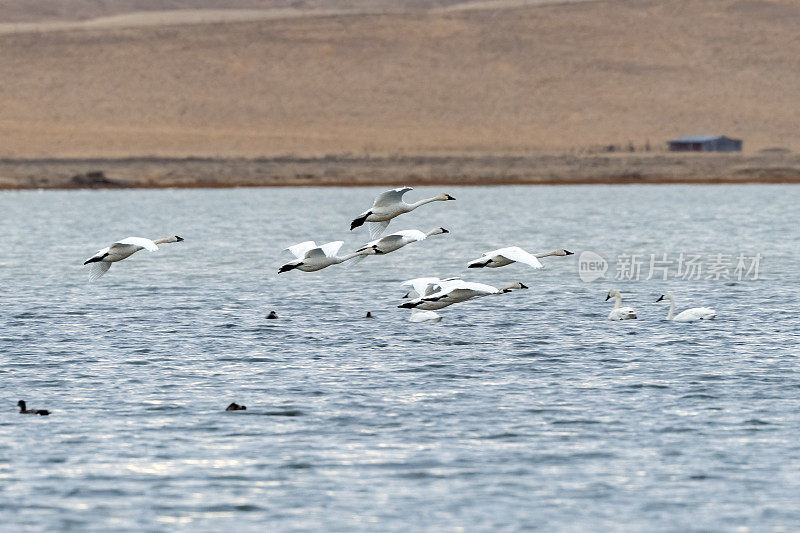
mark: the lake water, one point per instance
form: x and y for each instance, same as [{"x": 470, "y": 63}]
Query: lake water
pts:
[{"x": 525, "y": 411}]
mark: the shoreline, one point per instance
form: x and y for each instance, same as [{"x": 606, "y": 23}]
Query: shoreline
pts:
[{"x": 351, "y": 171}]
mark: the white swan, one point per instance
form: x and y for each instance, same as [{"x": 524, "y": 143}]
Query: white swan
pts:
[
  {"x": 311, "y": 257},
  {"x": 424, "y": 286},
  {"x": 506, "y": 256},
  {"x": 456, "y": 291},
  {"x": 388, "y": 205},
  {"x": 424, "y": 316},
  {"x": 101, "y": 261},
  {"x": 690, "y": 315},
  {"x": 619, "y": 313},
  {"x": 395, "y": 241}
]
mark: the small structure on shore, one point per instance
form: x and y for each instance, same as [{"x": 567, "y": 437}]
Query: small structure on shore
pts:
[{"x": 705, "y": 143}]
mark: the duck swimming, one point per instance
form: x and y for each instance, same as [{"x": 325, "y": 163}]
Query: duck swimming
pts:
[
  {"x": 23, "y": 410},
  {"x": 236, "y": 407}
]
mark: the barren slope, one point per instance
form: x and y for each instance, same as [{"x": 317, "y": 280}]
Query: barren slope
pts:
[{"x": 474, "y": 81}]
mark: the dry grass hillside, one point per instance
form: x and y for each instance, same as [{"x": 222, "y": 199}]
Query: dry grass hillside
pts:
[{"x": 479, "y": 81}]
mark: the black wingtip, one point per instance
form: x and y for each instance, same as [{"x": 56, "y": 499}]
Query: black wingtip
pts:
[
  {"x": 475, "y": 265},
  {"x": 359, "y": 221}
]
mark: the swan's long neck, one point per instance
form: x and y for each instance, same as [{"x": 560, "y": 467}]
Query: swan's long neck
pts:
[
  {"x": 415, "y": 205},
  {"x": 548, "y": 254},
  {"x": 342, "y": 259},
  {"x": 617, "y": 300},
  {"x": 671, "y": 307},
  {"x": 164, "y": 240}
]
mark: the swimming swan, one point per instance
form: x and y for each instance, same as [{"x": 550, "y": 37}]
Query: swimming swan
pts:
[
  {"x": 395, "y": 241},
  {"x": 456, "y": 291},
  {"x": 690, "y": 315},
  {"x": 311, "y": 257},
  {"x": 619, "y": 313},
  {"x": 506, "y": 256},
  {"x": 101, "y": 261},
  {"x": 388, "y": 205}
]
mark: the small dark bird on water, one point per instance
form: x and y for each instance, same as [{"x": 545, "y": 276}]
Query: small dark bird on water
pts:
[
  {"x": 272, "y": 315},
  {"x": 25, "y": 411},
  {"x": 236, "y": 407},
  {"x": 369, "y": 315}
]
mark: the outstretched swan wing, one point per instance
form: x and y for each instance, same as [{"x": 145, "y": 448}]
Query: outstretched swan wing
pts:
[
  {"x": 519, "y": 255},
  {"x": 410, "y": 234},
  {"x": 376, "y": 228},
  {"x": 423, "y": 286},
  {"x": 392, "y": 197},
  {"x": 332, "y": 248},
  {"x": 98, "y": 269},
  {"x": 300, "y": 250},
  {"x": 147, "y": 244}
]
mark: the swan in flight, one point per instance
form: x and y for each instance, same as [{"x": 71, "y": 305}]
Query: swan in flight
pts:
[
  {"x": 506, "y": 256},
  {"x": 101, "y": 261},
  {"x": 690, "y": 315},
  {"x": 311, "y": 257},
  {"x": 388, "y": 205},
  {"x": 395, "y": 241},
  {"x": 424, "y": 316},
  {"x": 619, "y": 313},
  {"x": 450, "y": 292}
]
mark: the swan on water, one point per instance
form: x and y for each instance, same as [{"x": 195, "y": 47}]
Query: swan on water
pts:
[
  {"x": 311, "y": 257},
  {"x": 506, "y": 256},
  {"x": 424, "y": 316},
  {"x": 101, "y": 261},
  {"x": 690, "y": 315},
  {"x": 395, "y": 241},
  {"x": 450, "y": 292},
  {"x": 388, "y": 205},
  {"x": 619, "y": 313}
]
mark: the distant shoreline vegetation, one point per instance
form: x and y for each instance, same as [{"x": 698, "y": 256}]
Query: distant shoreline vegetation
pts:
[{"x": 420, "y": 170}]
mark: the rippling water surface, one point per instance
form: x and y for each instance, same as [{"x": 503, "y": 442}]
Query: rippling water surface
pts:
[{"x": 528, "y": 410}]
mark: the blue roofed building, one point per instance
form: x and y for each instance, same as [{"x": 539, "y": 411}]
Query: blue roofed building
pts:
[{"x": 705, "y": 143}]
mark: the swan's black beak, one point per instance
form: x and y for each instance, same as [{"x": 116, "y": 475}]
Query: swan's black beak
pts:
[
  {"x": 444, "y": 230},
  {"x": 179, "y": 239},
  {"x": 567, "y": 252},
  {"x": 660, "y": 298},
  {"x": 523, "y": 286},
  {"x": 448, "y": 197},
  {"x": 608, "y": 297}
]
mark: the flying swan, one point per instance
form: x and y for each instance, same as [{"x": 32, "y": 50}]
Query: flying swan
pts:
[
  {"x": 619, "y": 313},
  {"x": 512, "y": 254},
  {"x": 444, "y": 293},
  {"x": 690, "y": 315},
  {"x": 388, "y": 205},
  {"x": 395, "y": 241},
  {"x": 311, "y": 257},
  {"x": 101, "y": 261}
]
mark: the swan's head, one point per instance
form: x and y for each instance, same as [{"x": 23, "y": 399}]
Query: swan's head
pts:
[
  {"x": 287, "y": 267},
  {"x": 514, "y": 286},
  {"x": 445, "y": 197},
  {"x": 665, "y": 296},
  {"x": 178, "y": 239},
  {"x": 613, "y": 293},
  {"x": 563, "y": 252},
  {"x": 439, "y": 231}
]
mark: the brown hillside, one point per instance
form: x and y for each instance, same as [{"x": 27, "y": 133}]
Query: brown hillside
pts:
[{"x": 476, "y": 81}]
